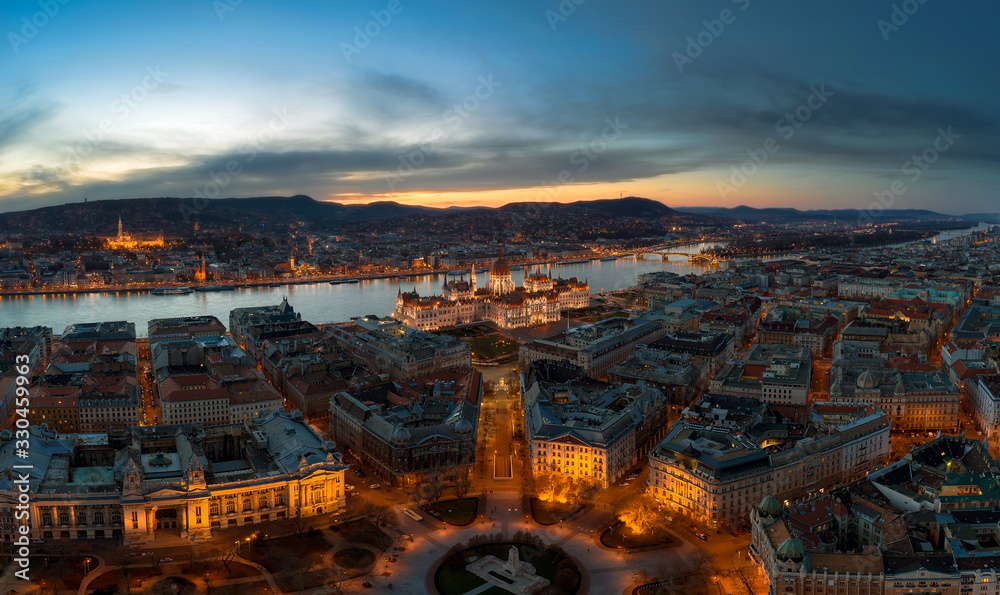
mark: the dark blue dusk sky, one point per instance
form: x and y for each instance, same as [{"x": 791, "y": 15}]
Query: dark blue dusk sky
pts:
[{"x": 711, "y": 102}]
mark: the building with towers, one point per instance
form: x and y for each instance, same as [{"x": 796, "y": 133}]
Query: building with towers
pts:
[
  {"x": 540, "y": 300},
  {"x": 125, "y": 240},
  {"x": 188, "y": 480},
  {"x": 500, "y": 282},
  {"x": 927, "y": 523}
]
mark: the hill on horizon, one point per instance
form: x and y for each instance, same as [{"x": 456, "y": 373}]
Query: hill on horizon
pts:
[
  {"x": 791, "y": 214},
  {"x": 177, "y": 215}
]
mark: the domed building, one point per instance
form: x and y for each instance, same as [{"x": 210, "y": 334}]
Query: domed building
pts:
[
  {"x": 917, "y": 396},
  {"x": 790, "y": 554},
  {"x": 500, "y": 282},
  {"x": 403, "y": 433},
  {"x": 540, "y": 300},
  {"x": 866, "y": 381},
  {"x": 185, "y": 479},
  {"x": 769, "y": 507}
]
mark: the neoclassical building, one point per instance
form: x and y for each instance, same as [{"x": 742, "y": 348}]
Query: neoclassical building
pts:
[
  {"x": 184, "y": 479},
  {"x": 540, "y": 300},
  {"x": 406, "y": 432},
  {"x": 914, "y": 400}
]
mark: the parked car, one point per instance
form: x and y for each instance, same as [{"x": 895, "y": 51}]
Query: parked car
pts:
[
  {"x": 374, "y": 486},
  {"x": 703, "y": 536},
  {"x": 626, "y": 484}
]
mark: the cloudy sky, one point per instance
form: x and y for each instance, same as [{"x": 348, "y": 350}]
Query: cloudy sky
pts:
[{"x": 691, "y": 102}]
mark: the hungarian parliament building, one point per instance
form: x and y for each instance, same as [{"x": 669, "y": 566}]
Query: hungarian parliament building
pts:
[{"x": 541, "y": 300}]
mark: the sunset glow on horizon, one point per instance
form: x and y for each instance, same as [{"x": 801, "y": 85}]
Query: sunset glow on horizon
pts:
[{"x": 442, "y": 104}]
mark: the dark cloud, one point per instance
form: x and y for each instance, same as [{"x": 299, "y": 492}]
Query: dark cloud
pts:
[{"x": 20, "y": 112}]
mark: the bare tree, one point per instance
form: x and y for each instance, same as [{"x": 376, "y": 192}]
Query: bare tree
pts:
[
  {"x": 335, "y": 579},
  {"x": 463, "y": 482},
  {"x": 438, "y": 482},
  {"x": 301, "y": 525},
  {"x": 125, "y": 562},
  {"x": 744, "y": 575},
  {"x": 414, "y": 489},
  {"x": 745, "y": 581},
  {"x": 380, "y": 514},
  {"x": 228, "y": 555}
]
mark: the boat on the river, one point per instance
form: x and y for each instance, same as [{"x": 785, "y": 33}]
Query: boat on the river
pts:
[
  {"x": 172, "y": 291},
  {"x": 203, "y": 288}
]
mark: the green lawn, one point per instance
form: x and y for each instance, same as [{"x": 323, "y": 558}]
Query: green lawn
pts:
[
  {"x": 453, "y": 579},
  {"x": 492, "y": 346},
  {"x": 314, "y": 544},
  {"x": 454, "y": 512},
  {"x": 601, "y": 317},
  {"x": 115, "y": 577},
  {"x": 466, "y": 332},
  {"x": 363, "y": 531},
  {"x": 547, "y": 513},
  {"x": 297, "y": 581},
  {"x": 354, "y": 557},
  {"x": 66, "y": 572},
  {"x": 254, "y": 588},
  {"x": 456, "y": 581},
  {"x": 620, "y": 535}
]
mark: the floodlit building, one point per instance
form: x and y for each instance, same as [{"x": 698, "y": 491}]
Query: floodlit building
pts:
[
  {"x": 387, "y": 347},
  {"x": 775, "y": 374},
  {"x": 132, "y": 483},
  {"x": 540, "y": 300},
  {"x": 926, "y": 524},
  {"x": 726, "y": 453},
  {"x": 596, "y": 347},
  {"x": 585, "y": 429},
  {"x": 407, "y": 432},
  {"x": 915, "y": 399}
]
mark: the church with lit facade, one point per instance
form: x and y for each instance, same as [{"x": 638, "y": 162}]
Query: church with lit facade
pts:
[
  {"x": 540, "y": 300},
  {"x": 125, "y": 240}
]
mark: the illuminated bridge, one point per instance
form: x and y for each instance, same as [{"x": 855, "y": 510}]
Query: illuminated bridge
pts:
[{"x": 692, "y": 257}]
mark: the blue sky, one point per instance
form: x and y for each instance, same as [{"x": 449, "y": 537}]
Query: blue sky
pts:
[{"x": 444, "y": 103}]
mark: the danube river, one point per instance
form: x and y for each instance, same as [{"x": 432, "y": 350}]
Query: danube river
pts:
[{"x": 317, "y": 302}]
